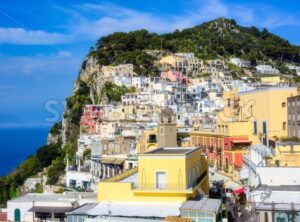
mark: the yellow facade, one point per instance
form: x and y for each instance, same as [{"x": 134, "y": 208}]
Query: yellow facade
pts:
[
  {"x": 148, "y": 141},
  {"x": 266, "y": 109},
  {"x": 273, "y": 79},
  {"x": 185, "y": 171}
]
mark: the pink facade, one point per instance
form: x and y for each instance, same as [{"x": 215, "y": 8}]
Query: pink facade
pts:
[
  {"x": 91, "y": 116},
  {"x": 174, "y": 76}
]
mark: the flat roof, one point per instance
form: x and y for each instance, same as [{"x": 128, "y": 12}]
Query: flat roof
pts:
[
  {"x": 83, "y": 209},
  {"x": 67, "y": 197},
  {"x": 50, "y": 209},
  {"x": 267, "y": 89},
  {"x": 171, "y": 151},
  {"x": 136, "y": 209},
  {"x": 205, "y": 205}
]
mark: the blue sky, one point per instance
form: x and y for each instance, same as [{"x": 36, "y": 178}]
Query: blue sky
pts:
[{"x": 42, "y": 43}]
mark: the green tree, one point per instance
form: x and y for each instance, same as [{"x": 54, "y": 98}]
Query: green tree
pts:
[{"x": 55, "y": 171}]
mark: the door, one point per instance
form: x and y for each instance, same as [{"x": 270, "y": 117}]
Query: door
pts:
[
  {"x": 17, "y": 215},
  {"x": 161, "y": 180}
]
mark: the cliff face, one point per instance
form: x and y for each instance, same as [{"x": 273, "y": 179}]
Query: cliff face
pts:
[{"x": 87, "y": 89}]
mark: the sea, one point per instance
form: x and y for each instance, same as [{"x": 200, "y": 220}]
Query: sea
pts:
[{"x": 16, "y": 144}]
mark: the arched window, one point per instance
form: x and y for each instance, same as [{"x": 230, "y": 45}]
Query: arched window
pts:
[
  {"x": 283, "y": 104},
  {"x": 17, "y": 215},
  {"x": 284, "y": 126}
]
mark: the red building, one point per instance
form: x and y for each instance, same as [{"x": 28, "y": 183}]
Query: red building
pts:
[
  {"x": 224, "y": 152},
  {"x": 92, "y": 115}
]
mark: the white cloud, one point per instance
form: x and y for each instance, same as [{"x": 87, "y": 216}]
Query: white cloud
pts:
[
  {"x": 21, "y": 36},
  {"x": 59, "y": 63}
]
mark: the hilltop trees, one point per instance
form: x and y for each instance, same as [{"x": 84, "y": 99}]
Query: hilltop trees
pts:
[{"x": 220, "y": 37}]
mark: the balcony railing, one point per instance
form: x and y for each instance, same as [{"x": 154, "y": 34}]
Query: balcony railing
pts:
[
  {"x": 161, "y": 187},
  {"x": 170, "y": 187}
]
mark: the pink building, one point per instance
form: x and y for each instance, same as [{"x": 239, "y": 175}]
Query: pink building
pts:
[
  {"x": 174, "y": 76},
  {"x": 91, "y": 116}
]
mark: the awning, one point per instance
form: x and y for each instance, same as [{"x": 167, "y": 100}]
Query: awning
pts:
[
  {"x": 238, "y": 191},
  {"x": 114, "y": 161},
  {"x": 137, "y": 209},
  {"x": 241, "y": 141},
  {"x": 107, "y": 160},
  {"x": 38, "y": 209}
]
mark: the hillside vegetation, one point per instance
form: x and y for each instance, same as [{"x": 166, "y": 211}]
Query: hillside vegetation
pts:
[{"x": 220, "y": 37}]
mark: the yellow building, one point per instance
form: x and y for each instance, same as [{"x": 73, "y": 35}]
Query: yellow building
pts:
[
  {"x": 164, "y": 135},
  {"x": 266, "y": 109},
  {"x": 164, "y": 174},
  {"x": 148, "y": 141},
  {"x": 186, "y": 63},
  {"x": 273, "y": 79}
]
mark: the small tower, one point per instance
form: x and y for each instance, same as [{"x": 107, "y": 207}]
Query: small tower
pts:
[{"x": 167, "y": 130}]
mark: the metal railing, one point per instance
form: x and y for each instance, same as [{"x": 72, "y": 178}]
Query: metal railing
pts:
[
  {"x": 170, "y": 187},
  {"x": 122, "y": 176},
  {"x": 160, "y": 187}
]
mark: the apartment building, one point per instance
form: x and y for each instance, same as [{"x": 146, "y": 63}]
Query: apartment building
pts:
[
  {"x": 240, "y": 62},
  {"x": 266, "y": 69},
  {"x": 186, "y": 63},
  {"x": 92, "y": 115},
  {"x": 293, "y": 116}
]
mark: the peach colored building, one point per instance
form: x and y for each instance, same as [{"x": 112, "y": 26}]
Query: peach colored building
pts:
[
  {"x": 174, "y": 76},
  {"x": 91, "y": 116}
]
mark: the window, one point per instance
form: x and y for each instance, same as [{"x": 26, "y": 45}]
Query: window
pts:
[
  {"x": 264, "y": 127},
  {"x": 254, "y": 127},
  {"x": 152, "y": 138},
  {"x": 228, "y": 102},
  {"x": 161, "y": 130},
  {"x": 161, "y": 182},
  {"x": 283, "y": 104},
  {"x": 284, "y": 126}
]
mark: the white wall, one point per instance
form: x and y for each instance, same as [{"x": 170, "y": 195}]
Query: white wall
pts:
[
  {"x": 276, "y": 176},
  {"x": 78, "y": 176}
]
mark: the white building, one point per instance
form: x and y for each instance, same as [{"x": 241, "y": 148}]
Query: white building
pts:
[
  {"x": 30, "y": 183},
  {"x": 140, "y": 82},
  {"x": 37, "y": 207},
  {"x": 79, "y": 179},
  {"x": 122, "y": 81},
  {"x": 240, "y": 63},
  {"x": 266, "y": 69},
  {"x": 106, "y": 129},
  {"x": 129, "y": 99},
  {"x": 275, "y": 190},
  {"x": 84, "y": 142}
]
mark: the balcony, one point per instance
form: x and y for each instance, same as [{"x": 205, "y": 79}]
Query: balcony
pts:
[{"x": 169, "y": 188}]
